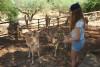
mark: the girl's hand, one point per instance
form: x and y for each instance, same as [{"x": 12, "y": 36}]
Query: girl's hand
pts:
[{"x": 65, "y": 39}]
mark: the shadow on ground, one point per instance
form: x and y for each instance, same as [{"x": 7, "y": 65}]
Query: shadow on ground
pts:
[{"x": 13, "y": 53}]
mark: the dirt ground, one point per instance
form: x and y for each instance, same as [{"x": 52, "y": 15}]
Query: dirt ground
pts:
[{"x": 13, "y": 53}]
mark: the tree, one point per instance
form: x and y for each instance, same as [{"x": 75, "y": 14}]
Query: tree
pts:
[
  {"x": 6, "y": 8},
  {"x": 91, "y": 5},
  {"x": 29, "y": 7},
  {"x": 62, "y": 6},
  {"x": 48, "y": 7}
]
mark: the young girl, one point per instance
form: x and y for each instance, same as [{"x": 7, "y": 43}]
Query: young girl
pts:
[{"x": 77, "y": 32}]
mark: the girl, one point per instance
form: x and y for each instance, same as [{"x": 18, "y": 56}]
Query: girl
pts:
[{"x": 77, "y": 32}]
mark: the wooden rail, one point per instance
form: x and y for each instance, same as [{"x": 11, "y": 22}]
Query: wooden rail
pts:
[{"x": 57, "y": 20}]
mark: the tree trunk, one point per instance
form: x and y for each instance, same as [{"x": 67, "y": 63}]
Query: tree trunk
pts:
[
  {"x": 59, "y": 13},
  {"x": 26, "y": 20},
  {"x": 47, "y": 19},
  {"x": 14, "y": 30}
]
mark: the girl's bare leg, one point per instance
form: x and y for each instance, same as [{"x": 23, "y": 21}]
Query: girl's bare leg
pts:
[{"x": 74, "y": 56}]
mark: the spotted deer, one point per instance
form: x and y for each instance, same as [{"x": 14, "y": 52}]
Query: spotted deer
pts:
[
  {"x": 55, "y": 36},
  {"x": 32, "y": 41}
]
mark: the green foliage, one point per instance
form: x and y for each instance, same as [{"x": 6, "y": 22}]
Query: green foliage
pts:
[
  {"x": 91, "y": 5},
  {"x": 64, "y": 5},
  {"x": 6, "y": 7},
  {"x": 48, "y": 6},
  {"x": 3, "y": 5},
  {"x": 30, "y": 6},
  {"x": 60, "y": 5},
  {"x": 34, "y": 6},
  {"x": 12, "y": 13}
]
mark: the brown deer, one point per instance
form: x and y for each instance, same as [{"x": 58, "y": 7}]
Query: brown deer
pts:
[
  {"x": 32, "y": 41},
  {"x": 54, "y": 37}
]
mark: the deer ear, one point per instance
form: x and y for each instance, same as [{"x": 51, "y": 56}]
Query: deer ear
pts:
[
  {"x": 24, "y": 34},
  {"x": 38, "y": 31}
]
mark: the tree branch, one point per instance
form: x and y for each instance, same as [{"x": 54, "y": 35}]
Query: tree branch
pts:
[
  {"x": 23, "y": 12},
  {"x": 33, "y": 14}
]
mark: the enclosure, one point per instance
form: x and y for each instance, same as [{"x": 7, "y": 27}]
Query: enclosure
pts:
[{"x": 13, "y": 47}]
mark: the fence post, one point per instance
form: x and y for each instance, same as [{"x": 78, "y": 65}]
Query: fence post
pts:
[
  {"x": 38, "y": 24},
  {"x": 47, "y": 19},
  {"x": 58, "y": 21}
]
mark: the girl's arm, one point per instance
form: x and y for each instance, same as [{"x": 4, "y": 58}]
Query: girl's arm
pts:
[{"x": 70, "y": 40}]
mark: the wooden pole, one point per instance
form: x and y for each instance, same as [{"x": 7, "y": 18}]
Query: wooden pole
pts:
[
  {"x": 38, "y": 24},
  {"x": 58, "y": 21}
]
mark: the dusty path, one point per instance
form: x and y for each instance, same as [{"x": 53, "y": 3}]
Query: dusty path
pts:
[{"x": 14, "y": 53}]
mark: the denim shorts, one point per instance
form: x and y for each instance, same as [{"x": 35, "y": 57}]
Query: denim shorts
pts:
[{"x": 76, "y": 46}]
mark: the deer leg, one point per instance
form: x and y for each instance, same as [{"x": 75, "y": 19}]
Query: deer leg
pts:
[
  {"x": 65, "y": 45},
  {"x": 32, "y": 56},
  {"x": 29, "y": 52},
  {"x": 39, "y": 56},
  {"x": 56, "y": 46}
]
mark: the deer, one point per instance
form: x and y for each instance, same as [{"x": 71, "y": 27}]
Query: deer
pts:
[
  {"x": 32, "y": 41},
  {"x": 57, "y": 40},
  {"x": 54, "y": 37}
]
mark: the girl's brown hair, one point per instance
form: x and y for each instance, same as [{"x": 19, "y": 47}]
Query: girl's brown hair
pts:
[{"x": 75, "y": 16}]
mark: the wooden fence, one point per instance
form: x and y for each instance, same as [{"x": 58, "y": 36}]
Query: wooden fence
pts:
[
  {"x": 53, "y": 21},
  {"x": 41, "y": 23},
  {"x": 56, "y": 20}
]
